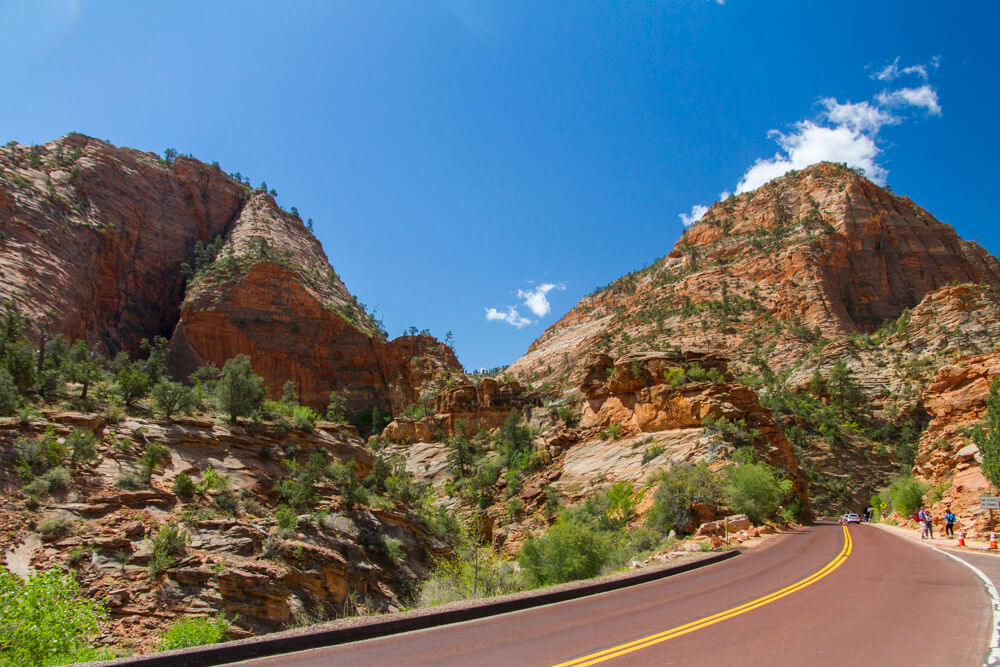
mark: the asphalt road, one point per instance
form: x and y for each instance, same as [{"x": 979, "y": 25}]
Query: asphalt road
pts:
[{"x": 816, "y": 596}]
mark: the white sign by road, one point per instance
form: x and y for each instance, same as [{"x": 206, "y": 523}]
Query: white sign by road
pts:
[{"x": 989, "y": 502}]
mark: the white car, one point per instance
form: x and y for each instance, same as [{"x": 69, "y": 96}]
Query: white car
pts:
[{"x": 851, "y": 518}]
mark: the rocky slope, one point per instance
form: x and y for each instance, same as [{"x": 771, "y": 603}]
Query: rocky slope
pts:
[
  {"x": 818, "y": 268},
  {"x": 93, "y": 240},
  {"x": 238, "y": 560},
  {"x": 947, "y": 458},
  {"x": 630, "y": 424},
  {"x": 816, "y": 255}
]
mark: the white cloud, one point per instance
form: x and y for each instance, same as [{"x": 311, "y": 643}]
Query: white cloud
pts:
[
  {"x": 511, "y": 317},
  {"x": 697, "y": 213},
  {"x": 861, "y": 117},
  {"x": 843, "y": 132},
  {"x": 924, "y": 97},
  {"x": 893, "y": 71},
  {"x": 536, "y": 299},
  {"x": 810, "y": 143}
]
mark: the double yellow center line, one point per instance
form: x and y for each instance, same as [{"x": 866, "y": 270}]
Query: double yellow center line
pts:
[{"x": 650, "y": 640}]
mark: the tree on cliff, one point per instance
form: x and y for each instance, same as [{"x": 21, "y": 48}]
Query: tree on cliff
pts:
[
  {"x": 239, "y": 391},
  {"x": 988, "y": 439},
  {"x": 81, "y": 366}
]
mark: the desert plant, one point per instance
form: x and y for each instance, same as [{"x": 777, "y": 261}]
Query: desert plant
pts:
[
  {"x": 906, "y": 494},
  {"x": 239, "y": 390},
  {"x": 287, "y": 519},
  {"x": 165, "y": 548},
  {"x": 352, "y": 491},
  {"x": 46, "y": 620},
  {"x": 9, "y": 397},
  {"x": 171, "y": 397},
  {"x": 195, "y": 632},
  {"x": 152, "y": 456},
  {"x": 55, "y": 528},
  {"x": 474, "y": 572},
  {"x": 183, "y": 486},
  {"x": 567, "y": 551},
  {"x": 677, "y": 490},
  {"x": 82, "y": 445},
  {"x": 756, "y": 490},
  {"x": 988, "y": 438}
]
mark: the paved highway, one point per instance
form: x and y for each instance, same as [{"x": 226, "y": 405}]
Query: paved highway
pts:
[{"x": 821, "y": 595}]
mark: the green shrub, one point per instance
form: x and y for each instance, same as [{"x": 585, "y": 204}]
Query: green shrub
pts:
[
  {"x": 152, "y": 456},
  {"x": 57, "y": 479},
  {"x": 55, "y": 528},
  {"x": 988, "y": 438},
  {"x": 565, "y": 414},
  {"x": 567, "y": 551},
  {"x": 46, "y": 620},
  {"x": 652, "y": 452},
  {"x": 756, "y": 490},
  {"x": 130, "y": 480},
  {"x": 82, "y": 445},
  {"x": 239, "y": 390},
  {"x": 474, "y": 572},
  {"x": 37, "y": 456},
  {"x": 9, "y": 397},
  {"x": 132, "y": 382},
  {"x": 394, "y": 548},
  {"x": 906, "y": 494},
  {"x": 195, "y": 632},
  {"x": 352, "y": 491},
  {"x": 287, "y": 519},
  {"x": 165, "y": 548},
  {"x": 183, "y": 486},
  {"x": 677, "y": 490},
  {"x": 171, "y": 397},
  {"x": 304, "y": 419},
  {"x": 674, "y": 377}
]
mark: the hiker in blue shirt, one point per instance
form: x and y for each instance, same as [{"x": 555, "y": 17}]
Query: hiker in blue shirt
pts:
[{"x": 949, "y": 523}]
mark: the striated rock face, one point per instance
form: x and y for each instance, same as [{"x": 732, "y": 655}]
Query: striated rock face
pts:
[
  {"x": 237, "y": 560},
  {"x": 947, "y": 457},
  {"x": 92, "y": 242},
  {"x": 818, "y": 252},
  {"x": 485, "y": 406},
  {"x": 635, "y": 396},
  {"x": 271, "y": 294},
  {"x": 92, "y": 237}
]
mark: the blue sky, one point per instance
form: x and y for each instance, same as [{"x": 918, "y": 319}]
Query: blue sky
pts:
[{"x": 460, "y": 156}]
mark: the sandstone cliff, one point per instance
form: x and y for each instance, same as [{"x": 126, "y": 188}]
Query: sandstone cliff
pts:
[
  {"x": 238, "y": 559},
  {"x": 818, "y": 274},
  {"x": 93, "y": 239},
  {"x": 817, "y": 254},
  {"x": 947, "y": 458}
]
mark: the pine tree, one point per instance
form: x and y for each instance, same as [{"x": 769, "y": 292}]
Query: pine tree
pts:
[
  {"x": 988, "y": 438},
  {"x": 240, "y": 391}
]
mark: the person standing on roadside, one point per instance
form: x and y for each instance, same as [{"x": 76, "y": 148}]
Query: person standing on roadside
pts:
[
  {"x": 927, "y": 522},
  {"x": 949, "y": 523},
  {"x": 919, "y": 517}
]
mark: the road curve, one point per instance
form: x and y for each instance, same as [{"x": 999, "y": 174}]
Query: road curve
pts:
[{"x": 872, "y": 598}]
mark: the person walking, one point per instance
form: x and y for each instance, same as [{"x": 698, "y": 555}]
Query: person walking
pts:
[
  {"x": 927, "y": 522},
  {"x": 949, "y": 523},
  {"x": 919, "y": 518}
]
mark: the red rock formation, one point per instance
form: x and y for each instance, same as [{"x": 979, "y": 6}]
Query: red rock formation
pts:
[
  {"x": 485, "y": 406},
  {"x": 822, "y": 249},
  {"x": 92, "y": 239},
  {"x": 946, "y": 456},
  {"x": 272, "y": 295},
  {"x": 635, "y": 396}
]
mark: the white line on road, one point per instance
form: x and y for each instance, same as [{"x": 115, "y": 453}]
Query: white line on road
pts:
[{"x": 993, "y": 656}]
